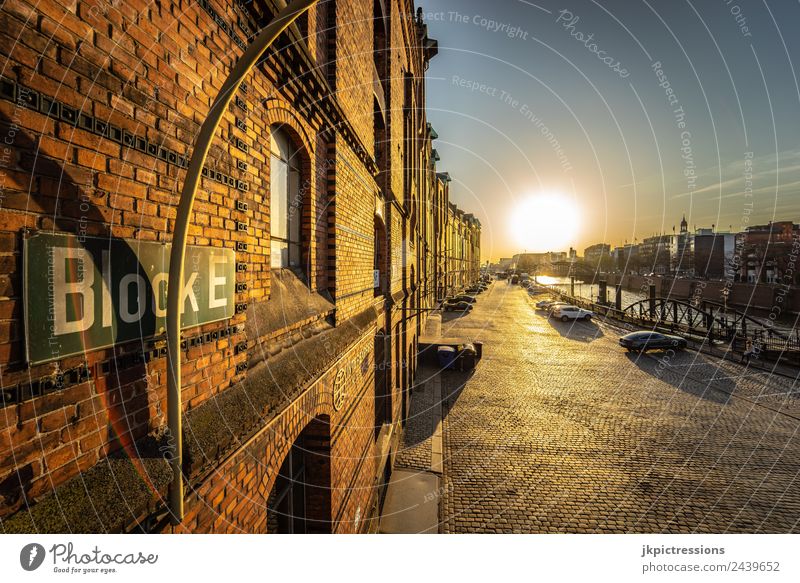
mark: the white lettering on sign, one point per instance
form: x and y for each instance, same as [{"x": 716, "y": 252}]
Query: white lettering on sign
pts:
[
  {"x": 188, "y": 293},
  {"x": 215, "y": 281},
  {"x": 107, "y": 309},
  {"x": 79, "y": 285},
  {"x": 73, "y": 278},
  {"x": 128, "y": 316},
  {"x": 86, "y": 293}
]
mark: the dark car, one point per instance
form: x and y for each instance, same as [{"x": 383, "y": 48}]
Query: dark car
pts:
[
  {"x": 644, "y": 341},
  {"x": 470, "y": 299},
  {"x": 457, "y": 306}
]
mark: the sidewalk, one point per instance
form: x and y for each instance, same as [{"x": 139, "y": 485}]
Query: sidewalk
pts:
[{"x": 412, "y": 500}]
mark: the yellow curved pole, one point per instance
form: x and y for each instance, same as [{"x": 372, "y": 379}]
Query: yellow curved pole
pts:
[{"x": 178, "y": 253}]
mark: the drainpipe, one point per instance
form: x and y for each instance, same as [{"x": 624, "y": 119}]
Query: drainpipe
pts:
[{"x": 178, "y": 254}]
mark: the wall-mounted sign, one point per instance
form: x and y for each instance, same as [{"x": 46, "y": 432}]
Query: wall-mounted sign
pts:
[{"x": 85, "y": 293}]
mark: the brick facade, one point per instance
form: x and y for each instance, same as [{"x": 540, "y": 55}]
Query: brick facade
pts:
[{"x": 99, "y": 106}]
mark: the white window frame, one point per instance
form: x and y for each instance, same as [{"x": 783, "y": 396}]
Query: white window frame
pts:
[{"x": 286, "y": 202}]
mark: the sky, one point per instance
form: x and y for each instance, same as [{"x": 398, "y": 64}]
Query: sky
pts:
[{"x": 635, "y": 112}]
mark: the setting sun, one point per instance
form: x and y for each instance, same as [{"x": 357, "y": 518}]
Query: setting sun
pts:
[{"x": 545, "y": 222}]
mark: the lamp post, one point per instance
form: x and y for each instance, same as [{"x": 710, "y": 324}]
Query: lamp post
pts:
[{"x": 207, "y": 133}]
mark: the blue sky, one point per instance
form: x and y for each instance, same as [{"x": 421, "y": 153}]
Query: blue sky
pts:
[{"x": 526, "y": 101}]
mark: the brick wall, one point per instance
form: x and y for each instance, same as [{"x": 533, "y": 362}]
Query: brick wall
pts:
[
  {"x": 233, "y": 498},
  {"x": 99, "y": 107}
]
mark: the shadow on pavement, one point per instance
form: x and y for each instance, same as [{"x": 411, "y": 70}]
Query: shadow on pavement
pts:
[
  {"x": 453, "y": 383},
  {"x": 454, "y": 315},
  {"x": 580, "y": 331},
  {"x": 660, "y": 365}
]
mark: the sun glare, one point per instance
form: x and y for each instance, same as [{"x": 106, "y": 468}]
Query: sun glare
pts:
[{"x": 545, "y": 222}]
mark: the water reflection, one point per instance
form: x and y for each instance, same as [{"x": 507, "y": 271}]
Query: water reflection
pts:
[{"x": 588, "y": 290}]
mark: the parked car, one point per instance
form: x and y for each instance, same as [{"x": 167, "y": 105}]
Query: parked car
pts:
[
  {"x": 457, "y": 306},
  {"x": 553, "y": 305},
  {"x": 545, "y": 304},
  {"x": 514, "y": 279},
  {"x": 644, "y": 341},
  {"x": 469, "y": 298},
  {"x": 565, "y": 312}
]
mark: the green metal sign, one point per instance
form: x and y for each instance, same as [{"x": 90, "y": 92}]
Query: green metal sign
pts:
[{"x": 84, "y": 293}]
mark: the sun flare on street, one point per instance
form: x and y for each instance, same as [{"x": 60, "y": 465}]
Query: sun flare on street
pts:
[{"x": 544, "y": 222}]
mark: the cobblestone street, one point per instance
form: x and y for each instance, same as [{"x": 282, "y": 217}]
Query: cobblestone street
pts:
[{"x": 560, "y": 430}]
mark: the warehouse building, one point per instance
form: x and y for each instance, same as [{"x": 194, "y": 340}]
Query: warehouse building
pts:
[{"x": 321, "y": 234}]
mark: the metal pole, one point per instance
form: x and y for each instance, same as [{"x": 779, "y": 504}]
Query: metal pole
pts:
[{"x": 178, "y": 254}]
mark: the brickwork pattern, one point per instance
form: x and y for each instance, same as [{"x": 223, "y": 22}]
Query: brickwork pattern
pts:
[
  {"x": 132, "y": 82},
  {"x": 234, "y": 497}
]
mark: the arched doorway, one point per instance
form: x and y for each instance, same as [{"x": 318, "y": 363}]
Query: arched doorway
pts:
[{"x": 300, "y": 499}]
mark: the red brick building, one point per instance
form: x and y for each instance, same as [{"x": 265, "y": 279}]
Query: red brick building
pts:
[
  {"x": 768, "y": 254},
  {"x": 319, "y": 232}
]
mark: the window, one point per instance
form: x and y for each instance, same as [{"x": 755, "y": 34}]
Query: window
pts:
[
  {"x": 380, "y": 262},
  {"x": 286, "y": 201},
  {"x": 300, "y": 500},
  {"x": 286, "y": 506}
]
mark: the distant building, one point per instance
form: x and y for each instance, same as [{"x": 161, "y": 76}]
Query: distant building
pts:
[
  {"x": 654, "y": 254},
  {"x": 529, "y": 262},
  {"x": 767, "y": 254},
  {"x": 681, "y": 260},
  {"x": 713, "y": 254},
  {"x": 505, "y": 264},
  {"x": 626, "y": 258},
  {"x": 598, "y": 256}
]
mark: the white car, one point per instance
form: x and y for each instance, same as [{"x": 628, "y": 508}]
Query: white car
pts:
[{"x": 565, "y": 312}]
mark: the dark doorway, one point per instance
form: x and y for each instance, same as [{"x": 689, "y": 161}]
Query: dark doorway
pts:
[{"x": 300, "y": 500}]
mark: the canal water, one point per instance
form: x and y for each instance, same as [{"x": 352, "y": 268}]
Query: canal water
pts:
[{"x": 590, "y": 291}]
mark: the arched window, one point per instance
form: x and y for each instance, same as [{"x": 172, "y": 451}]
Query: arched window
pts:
[
  {"x": 286, "y": 201},
  {"x": 380, "y": 262},
  {"x": 287, "y": 510},
  {"x": 300, "y": 500}
]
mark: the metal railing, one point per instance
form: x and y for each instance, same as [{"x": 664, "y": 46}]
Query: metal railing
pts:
[{"x": 705, "y": 326}]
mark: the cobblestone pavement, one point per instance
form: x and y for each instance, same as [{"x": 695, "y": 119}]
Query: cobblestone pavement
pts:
[
  {"x": 415, "y": 446},
  {"x": 559, "y": 430}
]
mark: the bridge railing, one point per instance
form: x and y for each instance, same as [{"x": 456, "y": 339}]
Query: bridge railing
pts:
[{"x": 763, "y": 340}]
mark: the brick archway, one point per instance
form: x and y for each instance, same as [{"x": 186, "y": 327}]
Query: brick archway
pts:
[{"x": 300, "y": 499}]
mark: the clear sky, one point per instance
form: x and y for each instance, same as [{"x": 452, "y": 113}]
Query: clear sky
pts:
[{"x": 669, "y": 107}]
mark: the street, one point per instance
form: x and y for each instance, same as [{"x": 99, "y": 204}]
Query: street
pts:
[{"x": 560, "y": 430}]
